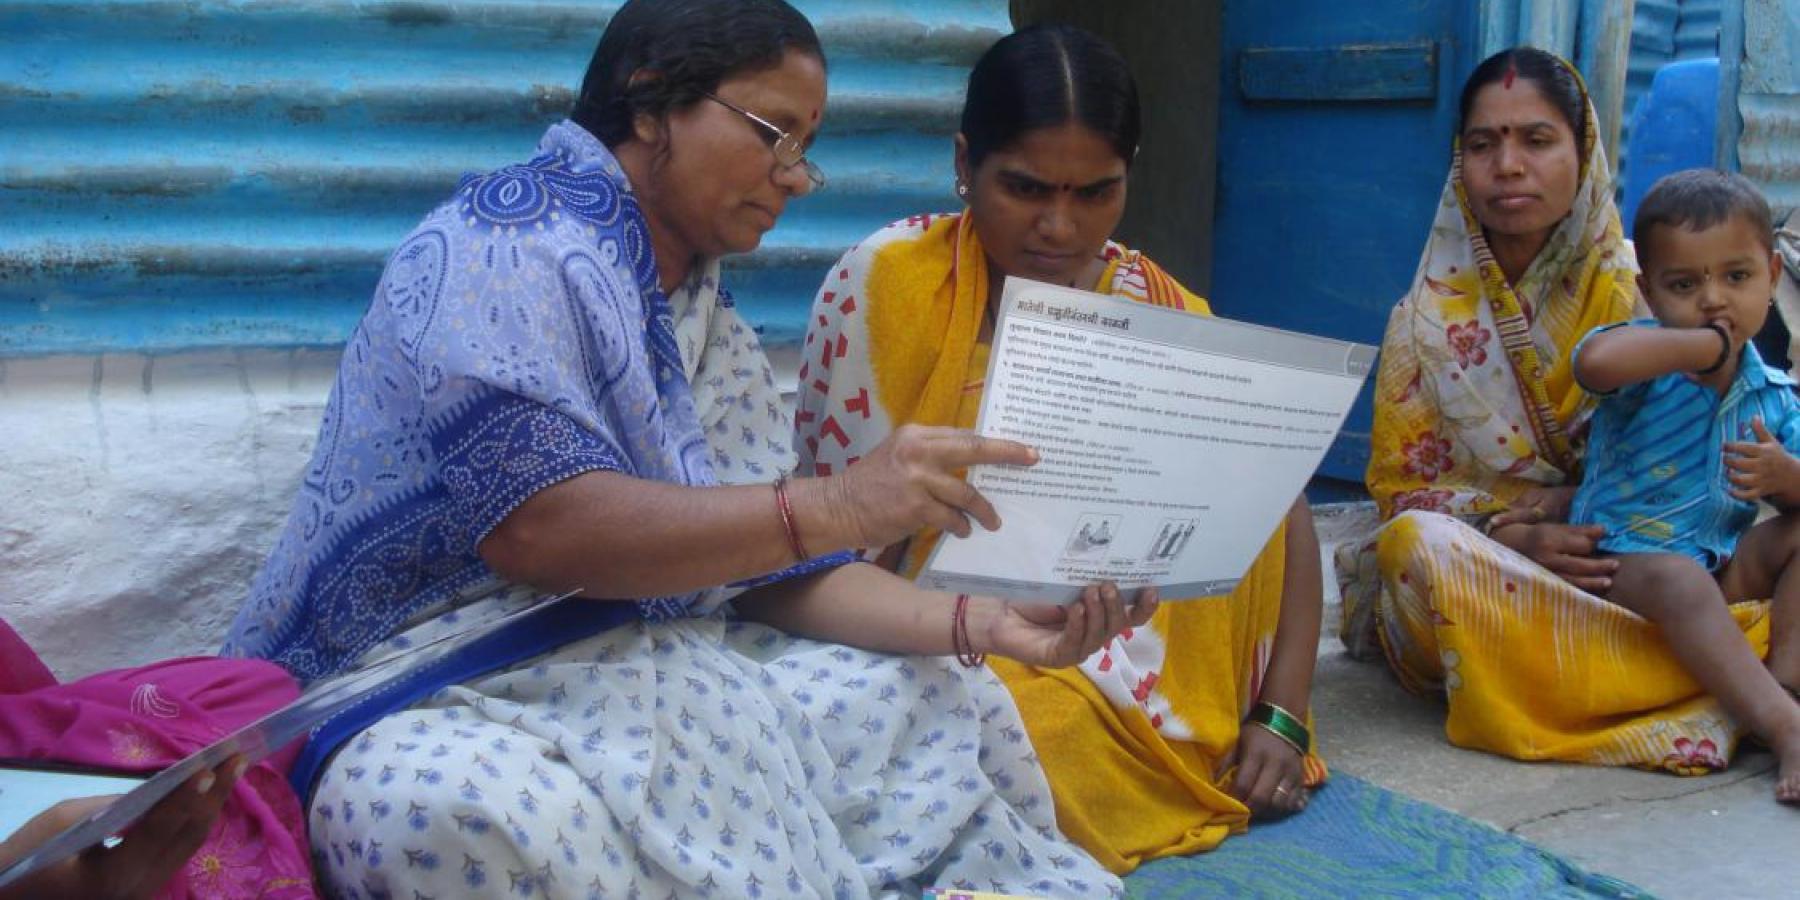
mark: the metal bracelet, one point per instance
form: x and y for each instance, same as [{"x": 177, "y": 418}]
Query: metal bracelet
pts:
[{"x": 1724, "y": 350}]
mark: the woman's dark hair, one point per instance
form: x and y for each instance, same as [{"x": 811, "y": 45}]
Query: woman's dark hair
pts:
[
  {"x": 1554, "y": 81},
  {"x": 1045, "y": 76},
  {"x": 689, "y": 46}
]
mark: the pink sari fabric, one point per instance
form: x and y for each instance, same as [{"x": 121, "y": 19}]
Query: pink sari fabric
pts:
[{"x": 140, "y": 720}]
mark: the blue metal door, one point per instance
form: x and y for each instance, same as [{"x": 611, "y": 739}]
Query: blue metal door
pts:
[{"x": 1334, "y": 131}]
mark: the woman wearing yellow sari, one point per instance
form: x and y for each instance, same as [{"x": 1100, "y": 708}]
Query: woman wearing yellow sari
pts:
[
  {"x": 1474, "y": 586},
  {"x": 1144, "y": 745}
]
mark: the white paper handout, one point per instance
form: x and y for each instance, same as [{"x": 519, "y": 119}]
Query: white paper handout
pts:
[{"x": 1171, "y": 445}]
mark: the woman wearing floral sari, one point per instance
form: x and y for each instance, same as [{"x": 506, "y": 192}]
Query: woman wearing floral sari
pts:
[
  {"x": 1474, "y": 585},
  {"x": 1144, "y": 744}
]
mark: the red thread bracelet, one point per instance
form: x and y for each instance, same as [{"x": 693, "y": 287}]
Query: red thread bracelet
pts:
[
  {"x": 959, "y": 635},
  {"x": 956, "y": 613},
  {"x": 787, "y": 520}
]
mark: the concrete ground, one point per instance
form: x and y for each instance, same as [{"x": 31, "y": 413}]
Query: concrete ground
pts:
[{"x": 1716, "y": 836}]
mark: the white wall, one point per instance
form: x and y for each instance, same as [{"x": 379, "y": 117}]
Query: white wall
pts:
[{"x": 139, "y": 494}]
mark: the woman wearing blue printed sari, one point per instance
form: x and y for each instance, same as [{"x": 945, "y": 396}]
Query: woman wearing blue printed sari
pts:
[{"x": 551, "y": 392}]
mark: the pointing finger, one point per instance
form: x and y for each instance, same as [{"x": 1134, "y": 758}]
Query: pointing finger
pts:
[{"x": 970, "y": 449}]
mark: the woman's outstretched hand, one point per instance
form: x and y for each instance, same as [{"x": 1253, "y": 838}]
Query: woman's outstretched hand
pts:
[
  {"x": 914, "y": 479},
  {"x": 1054, "y": 636}
]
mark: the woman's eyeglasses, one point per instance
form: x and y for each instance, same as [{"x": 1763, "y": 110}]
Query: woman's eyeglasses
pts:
[{"x": 789, "y": 151}]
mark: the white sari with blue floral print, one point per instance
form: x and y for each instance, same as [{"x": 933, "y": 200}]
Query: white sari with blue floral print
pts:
[{"x": 517, "y": 339}]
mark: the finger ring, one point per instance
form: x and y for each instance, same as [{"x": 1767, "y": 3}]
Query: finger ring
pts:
[{"x": 1280, "y": 790}]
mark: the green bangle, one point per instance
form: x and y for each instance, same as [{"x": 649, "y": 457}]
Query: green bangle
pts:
[{"x": 1282, "y": 724}]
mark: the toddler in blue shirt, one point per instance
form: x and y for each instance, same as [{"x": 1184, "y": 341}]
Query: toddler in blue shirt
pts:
[{"x": 1692, "y": 430}]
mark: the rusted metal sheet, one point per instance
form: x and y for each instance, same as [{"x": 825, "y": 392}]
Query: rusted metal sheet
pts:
[{"x": 184, "y": 173}]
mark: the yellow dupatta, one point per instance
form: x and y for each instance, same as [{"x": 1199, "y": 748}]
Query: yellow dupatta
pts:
[
  {"x": 1476, "y": 400},
  {"x": 924, "y": 319},
  {"x": 1134, "y": 740}
]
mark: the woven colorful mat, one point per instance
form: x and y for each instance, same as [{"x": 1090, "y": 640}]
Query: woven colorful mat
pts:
[{"x": 1359, "y": 840}]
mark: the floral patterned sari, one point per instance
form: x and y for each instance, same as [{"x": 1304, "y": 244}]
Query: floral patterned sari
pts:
[{"x": 1475, "y": 404}]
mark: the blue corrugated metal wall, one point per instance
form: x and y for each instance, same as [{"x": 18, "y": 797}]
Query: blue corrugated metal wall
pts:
[
  {"x": 185, "y": 173},
  {"x": 1663, "y": 31},
  {"x": 1767, "y": 146},
  {"x": 1697, "y": 33}
]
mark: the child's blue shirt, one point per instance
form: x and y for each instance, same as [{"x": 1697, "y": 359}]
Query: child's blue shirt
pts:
[{"x": 1655, "y": 472}]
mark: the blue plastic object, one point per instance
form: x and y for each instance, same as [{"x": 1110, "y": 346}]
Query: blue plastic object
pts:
[{"x": 1672, "y": 127}]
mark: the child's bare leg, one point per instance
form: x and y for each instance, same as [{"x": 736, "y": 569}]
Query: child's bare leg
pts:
[
  {"x": 1767, "y": 565},
  {"x": 1688, "y": 606}
]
